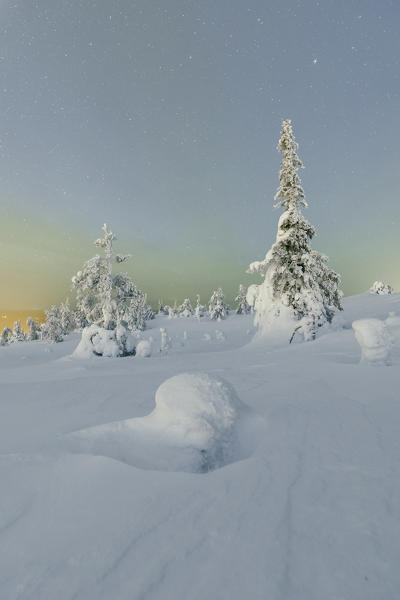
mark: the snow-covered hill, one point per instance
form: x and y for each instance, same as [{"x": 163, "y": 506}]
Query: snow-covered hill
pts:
[{"x": 310, "y": 510}]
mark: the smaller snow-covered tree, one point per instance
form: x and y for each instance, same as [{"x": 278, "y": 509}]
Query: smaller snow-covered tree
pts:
[
  {"x": 199, "y": 309},
  {"x": 80, "y": 319},
  {"x": 18, "y": 334},
  {"x": 185, "y": 309},
  {"x": 381, "y": 288},
  {"x": 162, "y": 309},
  {"x": 5, "y": 336},
  {"x": 173, "y": 311},
  {"x": 52, "y": 329},
  {"x": 217, "y": 309},
  {"x": 67, "y": 317},
  {"x": 149, "y": 312},
  {"x": 139, "y": 312},
  {"x": 33, "y": 330},
  {"x": 242, "y": 305}
]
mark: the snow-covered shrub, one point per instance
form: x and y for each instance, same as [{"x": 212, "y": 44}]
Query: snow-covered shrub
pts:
[
  {"x": 34, "y": 330},
  {"x": 144, "y": 349},
  {"x": 373, "y": 338},
  {"x": 52, "y": 330},
  {"x": 111, "y": 343},
  {"x": 5, "y": 336},
  {"x": 185, "y": 309},
  {"x": 165, "y": 343},
  {"x": 243, "y": 306},
  {"x": 17, "y": 334},
  {"x": 379, "y": 287},
  {"x": 217, "y": 309},
  {"x": 298, "y": 284}
]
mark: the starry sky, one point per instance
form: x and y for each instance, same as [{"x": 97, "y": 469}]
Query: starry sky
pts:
[{"x": 162, "y": 118}]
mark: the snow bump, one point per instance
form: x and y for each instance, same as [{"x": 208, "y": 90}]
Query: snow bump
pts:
[{"x": 199, "y": 424}]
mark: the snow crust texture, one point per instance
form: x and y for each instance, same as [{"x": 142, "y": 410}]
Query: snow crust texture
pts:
[
  {"x": 307, "y": 508},
  {"x": 372, "y": 336}
]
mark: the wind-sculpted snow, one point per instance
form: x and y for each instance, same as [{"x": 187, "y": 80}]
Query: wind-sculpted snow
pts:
[
  {"x": 311, "y": 511},
  {"x": 199, "y": 424}
]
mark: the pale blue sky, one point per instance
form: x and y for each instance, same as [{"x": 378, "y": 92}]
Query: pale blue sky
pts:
[{"x": 162, "y": 118}]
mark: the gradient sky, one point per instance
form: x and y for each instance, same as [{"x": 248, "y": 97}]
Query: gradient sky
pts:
[{"x": 162, "y": 118}]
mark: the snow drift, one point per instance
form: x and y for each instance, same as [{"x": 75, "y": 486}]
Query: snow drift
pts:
[{"x": 198, "y": 425}]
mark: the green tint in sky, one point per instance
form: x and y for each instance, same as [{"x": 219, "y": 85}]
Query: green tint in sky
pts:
[{"x": 162, "y": 118}]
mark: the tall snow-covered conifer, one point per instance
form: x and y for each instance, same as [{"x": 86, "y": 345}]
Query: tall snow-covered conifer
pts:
[{"x": 298, "y": 284}]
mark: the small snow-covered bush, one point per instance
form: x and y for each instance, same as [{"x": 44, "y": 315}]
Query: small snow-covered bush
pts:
[
  {"x": 379, "y": 287},
  {"x": 143, "y": 349},
  {"x": 111, "y": 343},
  {"x": 373, "y": 338}
]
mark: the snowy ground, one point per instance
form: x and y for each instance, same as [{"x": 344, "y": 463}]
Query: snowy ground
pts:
[{"x": 311, "y": 510}]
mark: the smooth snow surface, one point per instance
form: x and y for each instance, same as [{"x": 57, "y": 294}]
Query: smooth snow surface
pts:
[
  {"x": 372, "y": 336},
  {"x": 309, "y": 509}
]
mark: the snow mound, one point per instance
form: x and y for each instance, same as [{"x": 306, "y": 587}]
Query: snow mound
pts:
[
  {"x": 198, "y": 425},
  {"x": 373, "y": 338},
  {"x": 144, "y": 349},
  {"x": 97, "y": 341}
]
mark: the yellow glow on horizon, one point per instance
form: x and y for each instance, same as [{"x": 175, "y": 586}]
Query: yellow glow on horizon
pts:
[{"x": 8, "y": 317}]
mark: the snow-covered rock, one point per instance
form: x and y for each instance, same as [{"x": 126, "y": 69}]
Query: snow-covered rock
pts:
[
  {"x": 97, "y": 341},
  {"x": 373, "y": 338}
]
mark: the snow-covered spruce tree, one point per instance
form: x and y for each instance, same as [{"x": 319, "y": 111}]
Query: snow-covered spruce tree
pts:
[
  {"x": 52, "y": 330},
  {"x": 67, "y": 316},
  {"x": 34, "y": 330},
  {"x": 217, "y": 309},
  {"x": 242, "y": 305},
  {"x": 186, "y": 308},
  {"x": 5, "y": 336},
  {"x": 298, "y": 284},
  {"x": 17, "y": 334}
]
